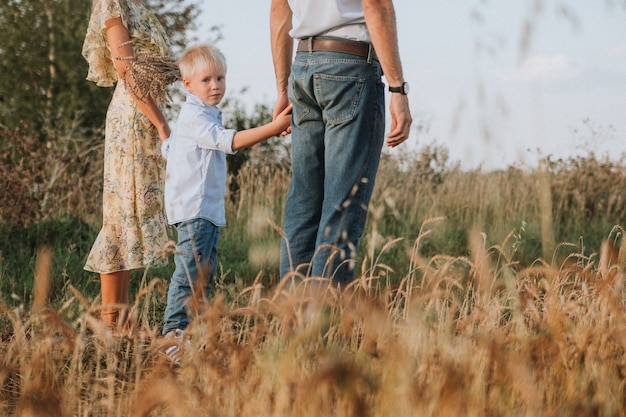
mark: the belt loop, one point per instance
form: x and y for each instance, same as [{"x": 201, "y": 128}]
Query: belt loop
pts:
[
  {"x": 369, "y": 53},
  {"x": 310, "y": 44}
]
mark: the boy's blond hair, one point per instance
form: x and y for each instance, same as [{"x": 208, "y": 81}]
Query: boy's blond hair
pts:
[{"x": 200, "y": 57}]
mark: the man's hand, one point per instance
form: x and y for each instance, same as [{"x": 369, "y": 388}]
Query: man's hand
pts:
[
  {"x": 281, "y": 104},
  {"x": 400, "y": 120}
]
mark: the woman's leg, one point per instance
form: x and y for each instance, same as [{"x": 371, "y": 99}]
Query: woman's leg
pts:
[{"x": 114, "y": 288}]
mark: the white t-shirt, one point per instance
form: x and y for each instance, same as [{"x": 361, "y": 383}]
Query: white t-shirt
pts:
[{"x": 338, "y": 18}]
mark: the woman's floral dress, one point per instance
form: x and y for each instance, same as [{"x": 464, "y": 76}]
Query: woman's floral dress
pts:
[{"x": 134, "y": 229}]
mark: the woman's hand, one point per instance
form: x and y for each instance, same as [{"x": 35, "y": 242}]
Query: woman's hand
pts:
[{"x": 164, "y": 132}]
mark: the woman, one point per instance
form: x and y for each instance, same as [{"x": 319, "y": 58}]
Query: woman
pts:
[{"x": 134, "y": 228}]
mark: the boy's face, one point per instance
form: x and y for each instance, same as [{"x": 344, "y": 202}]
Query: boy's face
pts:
[{"x": 208, "y": 84}]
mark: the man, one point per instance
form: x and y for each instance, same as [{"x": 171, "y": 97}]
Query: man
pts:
[{"x": 337, "y": 125}]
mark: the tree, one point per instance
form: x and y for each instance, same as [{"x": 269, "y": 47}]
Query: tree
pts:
[
  {"x": 274, "y": 151},
  {"x": 43, "y": 72}
]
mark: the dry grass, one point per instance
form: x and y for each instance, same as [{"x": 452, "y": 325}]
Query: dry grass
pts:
[
  {"x": 475, "y": 335},
  {"x": 150, "y": 75},
  {"x": 466, "y": 338}
]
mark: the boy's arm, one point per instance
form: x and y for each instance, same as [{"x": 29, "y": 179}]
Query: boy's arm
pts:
[{"x": 246, "y": 138}]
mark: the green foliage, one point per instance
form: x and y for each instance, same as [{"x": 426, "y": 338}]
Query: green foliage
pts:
[
  {"x": 47, "y": 176},
  {"x": 40, "y": 62},
  {"x": 238, "y": 118},
  {"x": 43, "y": 82},
  {"x": 585, "y": 189},
  {"x": 412, "y": 214},
  {"x": 236, "y": 269},
  {"x": 272, "y": 151},
  {"x": 70, "y": 240}
]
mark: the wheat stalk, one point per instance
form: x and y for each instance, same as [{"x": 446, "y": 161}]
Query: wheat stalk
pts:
[{"x": 149, "y": 74}]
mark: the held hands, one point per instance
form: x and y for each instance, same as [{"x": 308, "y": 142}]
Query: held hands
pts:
[
  {"x": 282, "y": 105},
  {"x": 400, "y": 120},
  {"x": 283, "y": 120}
]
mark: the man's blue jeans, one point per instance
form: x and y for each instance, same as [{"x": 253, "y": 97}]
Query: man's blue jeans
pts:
[
  {"x": 338, "y": 122},
  {"x": 195, "y": 260}
]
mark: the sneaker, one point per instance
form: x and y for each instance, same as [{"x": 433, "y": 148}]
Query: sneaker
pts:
[{"x": 174, "y": 351}]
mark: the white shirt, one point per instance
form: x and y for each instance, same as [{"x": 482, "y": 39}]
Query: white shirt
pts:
[
  {"x": 338, "y": 18},
  {"x": 195, "y": 181}
]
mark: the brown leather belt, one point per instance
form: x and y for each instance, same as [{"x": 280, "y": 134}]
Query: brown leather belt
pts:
[{"x": 361, "y": 49}]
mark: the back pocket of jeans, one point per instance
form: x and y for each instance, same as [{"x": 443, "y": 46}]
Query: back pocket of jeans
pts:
[{"x": 339, "y": 96}]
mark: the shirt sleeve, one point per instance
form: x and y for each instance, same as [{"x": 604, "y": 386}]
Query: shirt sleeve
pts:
[
  {"x": 95, "y": 47},
  {"x": 214, "y": 137},
  {"x": 207, "y": 131},
  {"x": 165, "y": 147}
]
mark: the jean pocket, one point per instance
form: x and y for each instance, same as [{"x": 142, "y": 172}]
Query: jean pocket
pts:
[
  {"x": 298, "y": 97},
  {"x": 339, "y": 96}
]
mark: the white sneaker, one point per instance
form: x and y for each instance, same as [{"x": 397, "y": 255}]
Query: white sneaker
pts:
[{"x": 174, "y": 351}]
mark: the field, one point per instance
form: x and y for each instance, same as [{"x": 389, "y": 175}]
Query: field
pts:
[{"x": 478, "y": 294}]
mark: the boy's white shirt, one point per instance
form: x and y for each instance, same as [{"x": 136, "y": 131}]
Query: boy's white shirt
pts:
[{"x": 195, "y": 180}]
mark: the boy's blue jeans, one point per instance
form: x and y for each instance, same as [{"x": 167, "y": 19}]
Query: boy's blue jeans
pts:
[
  {"x": 338, "y": 122},
  {"x": 195, "y": 260}
]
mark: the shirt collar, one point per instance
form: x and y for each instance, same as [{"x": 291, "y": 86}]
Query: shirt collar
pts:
[{"x": 193, "y": 99}]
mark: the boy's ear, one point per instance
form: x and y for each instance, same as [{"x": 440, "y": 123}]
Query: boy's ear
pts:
[{"x": 186, "y": 84}]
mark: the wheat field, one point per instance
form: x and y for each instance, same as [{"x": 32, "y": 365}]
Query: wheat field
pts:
[
  {"x": 477, "y": 333},
  {"x": 465, "y": 339}
]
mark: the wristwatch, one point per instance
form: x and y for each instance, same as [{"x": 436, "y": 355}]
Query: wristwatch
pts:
[{"x": 403, "y": 89}]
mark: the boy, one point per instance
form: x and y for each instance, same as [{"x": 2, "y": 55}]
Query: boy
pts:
[{"x": 195, "y": 184}]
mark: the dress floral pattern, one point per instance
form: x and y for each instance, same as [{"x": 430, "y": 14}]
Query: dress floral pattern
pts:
[{"x": 134, "y": 228}]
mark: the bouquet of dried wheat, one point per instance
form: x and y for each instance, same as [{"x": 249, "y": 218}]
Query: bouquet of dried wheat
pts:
[{"x": 150, "y": 74}]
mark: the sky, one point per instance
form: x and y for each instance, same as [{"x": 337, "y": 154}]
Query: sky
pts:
[{"x": 496, "y": 82}]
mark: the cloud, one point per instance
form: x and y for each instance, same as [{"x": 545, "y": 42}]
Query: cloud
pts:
[
  {"x": 540, "y": 68},
  {"x": 617, "y": 51},
  {"x": 615, "y": 58}
]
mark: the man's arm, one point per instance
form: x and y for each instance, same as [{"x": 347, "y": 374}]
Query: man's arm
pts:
[
  {"x": 380, "y": 18},
  {"x": 282, "y": 50}
]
